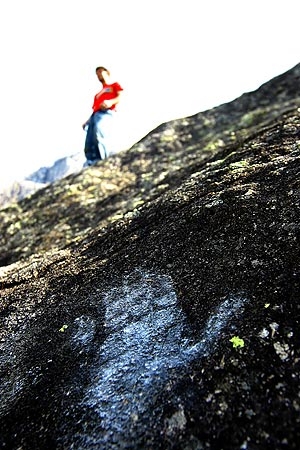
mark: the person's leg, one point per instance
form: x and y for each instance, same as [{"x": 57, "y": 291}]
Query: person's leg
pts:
[
  {"x": 103, "y": 124},
  {"x": 91, "y": 147}
]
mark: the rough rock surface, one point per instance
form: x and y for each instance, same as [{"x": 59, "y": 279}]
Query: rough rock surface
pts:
[{"x": 153, "y": 301}]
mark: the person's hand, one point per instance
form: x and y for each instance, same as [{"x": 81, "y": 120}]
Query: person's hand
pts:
[
  {"x": 84, "y": 125},
  {"x": 105, "y": 105}
]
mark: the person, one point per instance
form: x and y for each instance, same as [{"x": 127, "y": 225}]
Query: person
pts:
[{"x": 98, "y": 126}]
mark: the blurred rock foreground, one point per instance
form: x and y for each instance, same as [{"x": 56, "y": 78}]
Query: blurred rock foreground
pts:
[{"x": 152, "y": 301}]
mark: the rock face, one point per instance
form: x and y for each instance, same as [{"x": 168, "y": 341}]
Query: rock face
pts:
[{"x": 152, "y": 301}]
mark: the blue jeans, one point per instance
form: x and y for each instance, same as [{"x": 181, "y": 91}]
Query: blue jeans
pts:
[{"x": 96, "y": 142}]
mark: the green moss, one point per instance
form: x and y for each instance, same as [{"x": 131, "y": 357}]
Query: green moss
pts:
[
  {"x": 239, "y": 165},
  {"x": 237, "y": 342},
  {"x": 252, "y": 118}
]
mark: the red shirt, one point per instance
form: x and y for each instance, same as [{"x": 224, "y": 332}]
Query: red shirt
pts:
[{"x": 108, "y": 92}]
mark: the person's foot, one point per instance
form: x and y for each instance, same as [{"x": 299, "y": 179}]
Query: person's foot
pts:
[{"x": 90, "y": 162}]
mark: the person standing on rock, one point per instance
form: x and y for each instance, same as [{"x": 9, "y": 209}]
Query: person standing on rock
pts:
[{"x": 98, "y": 126}]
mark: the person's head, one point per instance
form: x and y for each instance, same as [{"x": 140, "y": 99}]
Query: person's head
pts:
[{"x": 103, "y": 74}]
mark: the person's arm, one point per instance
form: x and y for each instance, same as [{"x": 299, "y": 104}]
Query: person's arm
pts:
[
  {"x": 114, "y": 101},
  {"x": 86, "y": 124}
]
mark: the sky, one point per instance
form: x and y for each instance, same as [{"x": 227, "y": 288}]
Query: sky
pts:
[{"x": 173, "y": 58}]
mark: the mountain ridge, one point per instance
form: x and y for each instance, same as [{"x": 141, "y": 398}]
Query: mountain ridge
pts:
[{"x": 18, "y": 189}]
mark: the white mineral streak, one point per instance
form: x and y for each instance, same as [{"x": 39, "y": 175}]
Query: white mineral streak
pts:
[{"x": 148, "y": 338}]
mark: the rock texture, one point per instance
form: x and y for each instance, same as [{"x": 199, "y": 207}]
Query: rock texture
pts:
[{"x": 152, "y": 301}]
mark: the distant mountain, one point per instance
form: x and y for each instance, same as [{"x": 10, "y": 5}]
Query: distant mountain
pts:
[
  {"x": 61, "y": 168},
  {"x": 17, "y": 190}
]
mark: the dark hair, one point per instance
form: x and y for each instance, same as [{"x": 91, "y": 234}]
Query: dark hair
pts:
[{"x": 103, "y": 69}]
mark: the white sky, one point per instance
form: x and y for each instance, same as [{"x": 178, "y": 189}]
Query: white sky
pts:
[{"x": 174, "y": 58}]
